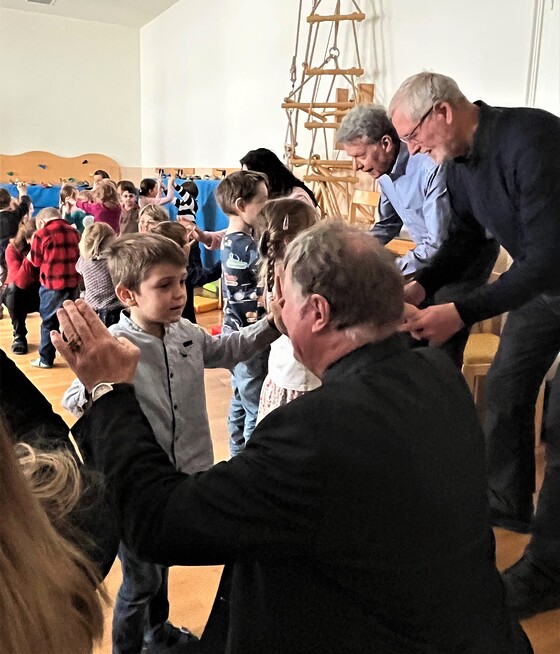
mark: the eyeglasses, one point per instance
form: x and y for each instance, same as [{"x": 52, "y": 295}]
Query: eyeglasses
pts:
[{"x": 410, "y": 136}]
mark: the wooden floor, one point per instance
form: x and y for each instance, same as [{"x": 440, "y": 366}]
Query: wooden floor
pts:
[{"x": 192, "y": 589}]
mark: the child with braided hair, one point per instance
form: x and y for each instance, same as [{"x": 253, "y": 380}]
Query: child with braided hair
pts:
[{"x": 287, "y": 378}]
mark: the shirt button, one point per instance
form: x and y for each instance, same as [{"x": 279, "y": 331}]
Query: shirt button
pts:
[
  {"x": 175, "y": 407},
  {"x": 170, "y": 375}
]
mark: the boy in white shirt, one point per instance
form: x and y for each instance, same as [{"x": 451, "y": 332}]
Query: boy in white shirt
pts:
[{"x": 149, "y": 274}]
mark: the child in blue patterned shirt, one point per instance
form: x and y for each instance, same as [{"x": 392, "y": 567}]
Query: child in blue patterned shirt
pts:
[{"x": 241, "y": 196}]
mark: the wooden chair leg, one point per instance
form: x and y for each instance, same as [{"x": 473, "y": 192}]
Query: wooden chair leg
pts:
[{"x": 470, "y": 378}]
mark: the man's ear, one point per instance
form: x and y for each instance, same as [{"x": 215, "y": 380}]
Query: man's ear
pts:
[
  {"x": 387, "y": 142},
  {"x": 321, "y": 312},
  {"x": 446, "y": 110},
  {"x": 125, "y": 295}
]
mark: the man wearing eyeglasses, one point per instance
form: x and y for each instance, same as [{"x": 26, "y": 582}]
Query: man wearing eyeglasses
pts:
[
  {"x": 503, "y": 176},
  {"x": 413, "y": 194}
]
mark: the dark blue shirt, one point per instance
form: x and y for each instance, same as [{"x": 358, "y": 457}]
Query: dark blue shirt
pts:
[
  {"x": 240, "y": 281},
  {"x": 508, "y": 184}
]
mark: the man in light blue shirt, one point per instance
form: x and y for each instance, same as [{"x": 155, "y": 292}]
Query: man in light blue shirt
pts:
[
  {"x": 413, "y": 189},
  {"x": 413, "y": 195}
]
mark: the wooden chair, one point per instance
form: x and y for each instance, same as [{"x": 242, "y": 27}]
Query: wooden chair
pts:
[
  {"x": 363, "y": 205},
  {"x": 479, "y": 354},
  {"x": 400, "y": 246},
  {"x": 481, "y": 349}
]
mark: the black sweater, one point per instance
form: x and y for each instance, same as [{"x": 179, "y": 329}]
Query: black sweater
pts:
[
  {"x": 30, "y": 419},
  {"x": 10, "y": 218},
  {"x": 508, "y": 184},
  {"x": 9, "y": 223}
]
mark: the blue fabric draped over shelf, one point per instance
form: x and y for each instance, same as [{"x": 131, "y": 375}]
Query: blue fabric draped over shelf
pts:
[
  {"x": 209, "y": 217},
  {"x": 41, "y": 197}
]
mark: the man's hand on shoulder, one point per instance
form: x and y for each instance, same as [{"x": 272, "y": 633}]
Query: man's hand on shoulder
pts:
[
  {"x": 436, "y": 324},
  {"x": 90, "y": 350}
]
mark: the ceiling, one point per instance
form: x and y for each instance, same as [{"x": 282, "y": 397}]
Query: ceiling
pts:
[{"x": 133, "y": 13}]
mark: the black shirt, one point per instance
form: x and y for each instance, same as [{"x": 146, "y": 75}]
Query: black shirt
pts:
[{"x": 508, "y": 184}]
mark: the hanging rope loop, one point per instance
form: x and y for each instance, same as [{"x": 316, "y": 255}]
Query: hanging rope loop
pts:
[
  {"x": 293, "y": 72},
  {"x": 293, "y": 69}
]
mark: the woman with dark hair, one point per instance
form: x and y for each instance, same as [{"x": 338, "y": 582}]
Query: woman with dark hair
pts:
[{"x": 282, "y": 182}]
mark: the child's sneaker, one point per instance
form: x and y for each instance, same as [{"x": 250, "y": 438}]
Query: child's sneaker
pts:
[{"x": 39, "y": 363}]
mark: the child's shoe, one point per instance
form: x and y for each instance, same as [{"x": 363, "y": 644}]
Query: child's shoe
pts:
[{"x": 39, "y": 363}]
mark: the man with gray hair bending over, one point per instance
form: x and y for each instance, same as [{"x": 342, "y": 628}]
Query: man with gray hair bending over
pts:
[
  {"x": 355, "y": 519},
  {"x": 413, "y": 194},
  {"x": 503, "y": 176}
]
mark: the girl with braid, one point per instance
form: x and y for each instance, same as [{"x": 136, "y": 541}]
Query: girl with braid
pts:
[{"x": 287, "y": 378}]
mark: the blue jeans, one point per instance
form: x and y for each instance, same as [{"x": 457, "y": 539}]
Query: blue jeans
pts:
[
  {"x": 246, "y": 381},
  {"x": 49, "y": 303},
  {"x": 141, "y": 606},
  {"x": 529, "y": 343}
]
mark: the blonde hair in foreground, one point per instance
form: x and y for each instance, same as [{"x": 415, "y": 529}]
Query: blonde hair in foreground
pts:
[{"x": 48, "y": 601}]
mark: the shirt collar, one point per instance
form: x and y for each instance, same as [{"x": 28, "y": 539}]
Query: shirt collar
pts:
[
  {"x": 365, "y": 356},
  {"x": 127, "y": 322},
  {"x": 399, "y": 167}
]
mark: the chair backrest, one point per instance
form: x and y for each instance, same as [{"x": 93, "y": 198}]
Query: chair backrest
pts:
[
  {"x": 364, "y": 205},
  {"x": 495, "y": 325}
]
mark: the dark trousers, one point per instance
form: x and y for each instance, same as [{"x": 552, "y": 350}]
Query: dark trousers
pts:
[
  {"x": 198, "y": 276},
  {"x": 141, "y": 606},
  {"x": 529, "y": 343},
  {"x": 50, "y": 303},
  {"x": 20, "y": 303}
]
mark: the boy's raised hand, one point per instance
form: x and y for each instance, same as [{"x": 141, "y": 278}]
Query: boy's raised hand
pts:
[
  {"x": 274, "y": 315},
  {"x": 90, "y": 350},
  {"x": 198, "y": 234}
]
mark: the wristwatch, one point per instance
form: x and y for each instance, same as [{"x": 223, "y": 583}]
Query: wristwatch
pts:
[{"x": 101, "y": 389}]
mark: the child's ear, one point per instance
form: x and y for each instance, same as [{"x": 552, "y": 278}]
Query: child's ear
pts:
[
  {"x": 239, "y": 206},
  {"x": 125, "y": 295}
]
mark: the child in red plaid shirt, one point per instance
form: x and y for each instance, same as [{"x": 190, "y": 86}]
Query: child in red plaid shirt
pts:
[{"x": 54, "y": 251}]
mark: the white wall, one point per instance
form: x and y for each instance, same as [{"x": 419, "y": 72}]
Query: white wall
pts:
[
  {"x": 547, "y": 88},
  {"x": 213, "y": 76},
  {"x": 69, "y": 87},
  {"x": 214, "y": 73},
  {"x": 483, "y": 44},
  {"x": 203, "y": 82}
]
